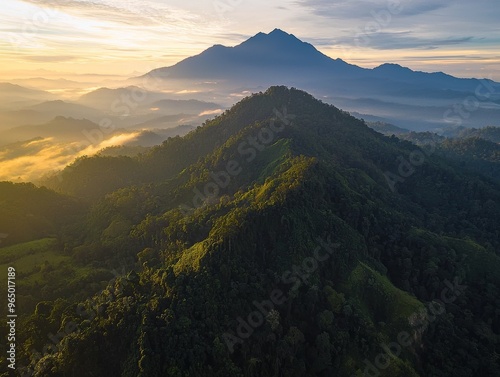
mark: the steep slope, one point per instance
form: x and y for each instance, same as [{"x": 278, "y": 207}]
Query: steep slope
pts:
[
  {"x": 269, "y": 242},
  {"x": 278, "y": 53},
  {"x": 279, "y": 58},
  {"x": 387, "y": 128},
  {"x": 28, "y": 212},
  {"x": 281, "y": 54}
]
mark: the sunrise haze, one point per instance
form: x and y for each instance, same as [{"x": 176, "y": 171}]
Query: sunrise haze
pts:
[{"x": 63, "y": 38}]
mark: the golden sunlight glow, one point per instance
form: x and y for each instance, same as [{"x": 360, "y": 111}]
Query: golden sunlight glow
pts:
[
  {"x": 34, "y": 159},
  {"x": 133, "y": 37},
  {"x": 112, "y": 141},
  {"x": 70, "y": 48},
  {"x": 211, "y": 112}
]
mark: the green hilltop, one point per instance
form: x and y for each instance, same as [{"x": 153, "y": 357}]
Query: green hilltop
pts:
[{"x": 282, "y": 238}]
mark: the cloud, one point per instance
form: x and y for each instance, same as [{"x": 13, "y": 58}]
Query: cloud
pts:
[
  {"x": 392, "y": 41},
  {"x": 364, "y": 9},
  {"x": 115, "y": 140},
  {"x": 399, "y": 40},
  {"x": 160, "y": 33},
  {"x": 48, "y": 58},
  {"x": 210, "y": 112},
  {"x": 31, "y": 160},
  {"x": 104, "y": 31},
  {"x": 232, "y": 38},
  {"x": 471, "y": 57},
  {"x": 414, "y": 8},
  {"x": 131, "y": 13}
]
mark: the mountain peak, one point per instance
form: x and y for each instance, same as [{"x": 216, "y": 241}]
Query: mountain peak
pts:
[
  {"x": 281, "y": 45},
  {"x": 272, "y": 56},
  {"x": 275, "y": 36},
  {"x": 279, "y": 32},
  {"x": 391, "y": 67}
]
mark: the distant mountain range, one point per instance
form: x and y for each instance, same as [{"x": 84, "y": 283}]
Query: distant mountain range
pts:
[
  {"x": 276, "y": 53},
  {"x": 397, "y": 94},
  {"x": 15, "y": 96},
  {"x": 172, "y": 100},
  {"x": 120, "y": 106},
  {"x": 200, "y": 86},
  {"x": 42, "y": 133}
]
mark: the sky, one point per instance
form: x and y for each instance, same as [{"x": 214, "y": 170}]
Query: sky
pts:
[{"x": 77, "y": 38}]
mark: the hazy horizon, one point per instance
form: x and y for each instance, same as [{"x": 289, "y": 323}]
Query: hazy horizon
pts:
[
  {"x": 39, "y": 39},
  {"x": 58, "y": 47},
  {"x": 250, "y": 188}
]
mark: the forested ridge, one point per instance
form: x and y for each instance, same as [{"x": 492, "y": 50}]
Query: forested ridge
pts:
[
  {"x": 475, "y": 150},
  {"x": 358, "y": 244}
]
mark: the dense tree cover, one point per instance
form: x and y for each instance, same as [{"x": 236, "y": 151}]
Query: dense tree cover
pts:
[
  {"x": 305, "y": 261},
  {"x": 490, "y": 133},
  {"x": 28, "y": 212},
  {"x": 387, "y": 128},
  {"x": 475, "y": 150},
  {"x": 474, "y": 154}
]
